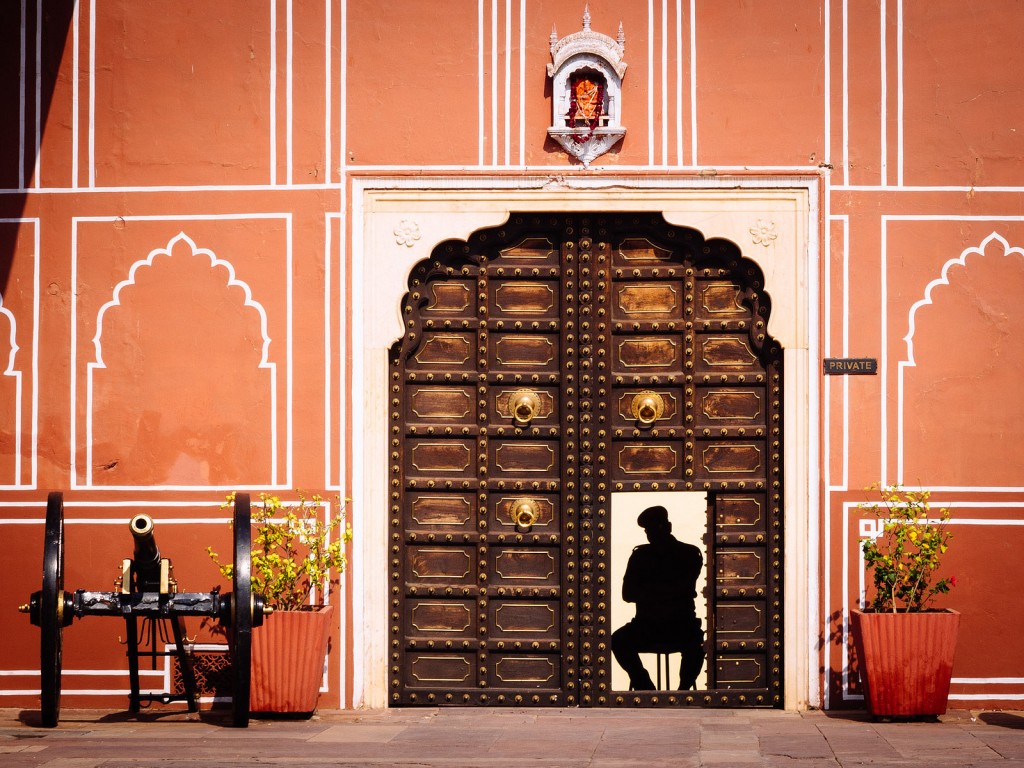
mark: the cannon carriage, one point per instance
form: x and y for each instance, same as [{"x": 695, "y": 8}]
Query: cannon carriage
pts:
[{"x": 146, "y": 591}]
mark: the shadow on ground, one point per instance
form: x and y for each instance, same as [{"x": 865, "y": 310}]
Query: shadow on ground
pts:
[{"x": 1002, "y": 719}]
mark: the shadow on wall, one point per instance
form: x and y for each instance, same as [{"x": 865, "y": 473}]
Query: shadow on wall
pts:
[{"x": 44, "y": 38}]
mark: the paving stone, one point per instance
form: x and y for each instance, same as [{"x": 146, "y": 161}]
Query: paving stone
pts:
[
  {"x": 10, "y": 749},
  {"x": 642, "y": 752},
  {"x": 1007, "y": 745},
  {"x": 798, "y": 747},
  {"x": 711, "y": 741},
  {"x": 727, "y": 759},
  {"x": 358, "y": 732}
]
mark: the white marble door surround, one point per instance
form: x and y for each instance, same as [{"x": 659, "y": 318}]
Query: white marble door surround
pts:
[{"x": 397, "y": 221}]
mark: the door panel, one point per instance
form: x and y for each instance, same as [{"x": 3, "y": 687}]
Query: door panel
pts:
[
  {"x": 524, "y": 568},
  {"x": 523, "y": 671},
  {"x": 724, "y": 407},
  {"x": 429, "y": 513},
  {"x": 653, "y": 301},
  {"x": 450, "y": 299},
  {"x": 648, "y": 460},
  {"x": 445, "y": 350},
  {"x": 446, "y": 406},
  {"x": 548, "y": 364},
  {"x": 524, "y": 458},
  {"x": 445, "y": 619},
  {"x": 647, "y": 355},
  {"x": 531, "y": 300},
  {"x": 521, "y": 353}
]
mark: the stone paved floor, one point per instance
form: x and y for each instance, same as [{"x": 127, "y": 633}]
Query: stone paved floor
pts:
[{"x": 465, "y": 738}]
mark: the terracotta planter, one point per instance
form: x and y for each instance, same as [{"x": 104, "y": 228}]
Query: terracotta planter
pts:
[
  {"x": 906, "y": 660},
  {"x": 288, "y": 654}
]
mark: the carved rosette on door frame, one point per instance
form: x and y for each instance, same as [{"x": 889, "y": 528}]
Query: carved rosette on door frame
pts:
[{"x": 547, "y": 364}]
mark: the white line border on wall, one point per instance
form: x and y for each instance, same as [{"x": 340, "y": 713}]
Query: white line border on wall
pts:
[
  {"x": 887, "y": 334},
  {"x": 75, "y": 483},
  {"x": 8, "y": 368},
  {"x": 272, "y": 87}
]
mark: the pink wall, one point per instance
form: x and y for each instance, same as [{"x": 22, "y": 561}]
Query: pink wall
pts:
[{"x": 171, "y": 252}]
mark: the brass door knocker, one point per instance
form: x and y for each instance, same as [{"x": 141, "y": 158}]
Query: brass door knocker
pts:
[
  {"x": 647, "y": 407},
  {"x": 524, "y": 513},
  {"x": 524, "y": 404}
]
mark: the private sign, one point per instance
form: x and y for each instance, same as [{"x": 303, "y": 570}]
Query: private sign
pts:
[{"x": 835, "y": 366}]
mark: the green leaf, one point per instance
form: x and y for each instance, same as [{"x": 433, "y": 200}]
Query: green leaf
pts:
[{"x": 294, "y": 551}]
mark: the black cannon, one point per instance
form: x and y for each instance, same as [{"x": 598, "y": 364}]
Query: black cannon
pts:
[{"x": 147, "y": 591}]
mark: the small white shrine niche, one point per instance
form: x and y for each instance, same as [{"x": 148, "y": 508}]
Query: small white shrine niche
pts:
[{"x": 586, "y": 70}]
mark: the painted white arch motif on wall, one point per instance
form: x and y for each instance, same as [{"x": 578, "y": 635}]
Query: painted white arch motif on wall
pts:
[
  {"x": 11, "y": 371},
  {"x": 930, "y": 300},
  {"x": 232, "y": 282}
]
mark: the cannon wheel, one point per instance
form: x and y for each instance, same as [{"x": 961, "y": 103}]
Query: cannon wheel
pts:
[
  {"x": 51, "y": 611},
  {"x": 242, "y": 608}
]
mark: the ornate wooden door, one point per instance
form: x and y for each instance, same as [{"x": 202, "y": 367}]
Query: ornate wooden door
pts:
[{"x": 547, "y": 364}]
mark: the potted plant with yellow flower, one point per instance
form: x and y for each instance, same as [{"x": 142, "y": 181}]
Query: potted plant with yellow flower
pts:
[
  {"x": 298, "y": 555},
  {"x": 904, "y": 646}
]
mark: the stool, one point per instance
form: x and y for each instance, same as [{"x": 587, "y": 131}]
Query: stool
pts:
[{"x": 662, "y": 661}]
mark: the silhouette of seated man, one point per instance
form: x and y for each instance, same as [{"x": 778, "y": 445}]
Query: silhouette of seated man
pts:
[{"x": 661, "y": 578}]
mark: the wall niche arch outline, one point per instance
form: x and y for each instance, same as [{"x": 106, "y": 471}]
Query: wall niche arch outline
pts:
[
  {"x": 948, "y": 362},
  {"x": 224, "y": 442},
  {"x": 11, "y": 394}
]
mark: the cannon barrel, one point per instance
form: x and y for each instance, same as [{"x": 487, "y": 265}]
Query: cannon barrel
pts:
[{"x": 146, "y": 558}]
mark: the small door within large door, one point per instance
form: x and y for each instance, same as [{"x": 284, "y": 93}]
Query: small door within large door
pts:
[{"x": 548, "y": 365}]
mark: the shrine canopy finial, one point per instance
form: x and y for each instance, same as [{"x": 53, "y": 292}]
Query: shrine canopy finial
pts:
[{"x": 586, "y": 41}]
